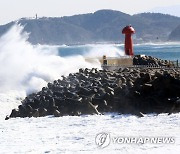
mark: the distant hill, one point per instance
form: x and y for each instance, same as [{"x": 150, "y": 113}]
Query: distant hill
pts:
[
  {"x": 157, "y": 26},
  {"x": 175, "y": 34},
  {"x": 101, "y": 26}
]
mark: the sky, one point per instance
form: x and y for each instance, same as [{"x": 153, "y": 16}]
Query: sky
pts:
[{"x": 11, "y": 10}]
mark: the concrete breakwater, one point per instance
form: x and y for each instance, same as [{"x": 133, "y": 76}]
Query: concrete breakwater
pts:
[
  {"x": 151, "y": 61},
  {"x": 92, "y": 91}
]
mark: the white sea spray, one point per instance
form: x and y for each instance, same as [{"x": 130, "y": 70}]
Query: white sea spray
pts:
[{"x": 27, "y": 67}]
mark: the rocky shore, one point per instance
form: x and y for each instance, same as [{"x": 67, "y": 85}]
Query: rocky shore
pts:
[
  {"x": 135, "y": 91},
  {"x": 151, "y": 61}
]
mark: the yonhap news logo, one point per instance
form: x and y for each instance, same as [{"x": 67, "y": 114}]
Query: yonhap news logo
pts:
[{"x": 103, "y": 140}]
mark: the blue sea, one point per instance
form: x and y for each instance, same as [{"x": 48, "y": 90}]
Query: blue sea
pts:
[
  {"x": 167, "y": 51},
  {"x": 26, "y": 68}
]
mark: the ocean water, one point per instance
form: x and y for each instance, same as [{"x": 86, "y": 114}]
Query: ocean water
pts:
[
  {"x": 167, "y": 51},
  {"x": 26, "y": 68}
]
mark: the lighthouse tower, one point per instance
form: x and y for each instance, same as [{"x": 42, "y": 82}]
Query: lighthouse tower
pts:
[{"x": 128, "y": 47}]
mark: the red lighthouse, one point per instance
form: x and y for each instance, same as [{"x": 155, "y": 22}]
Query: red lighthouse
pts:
[{"x": 128, "y": 31}]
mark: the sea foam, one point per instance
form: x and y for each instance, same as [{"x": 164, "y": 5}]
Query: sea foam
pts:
[{"x": 29, "y": 68}]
